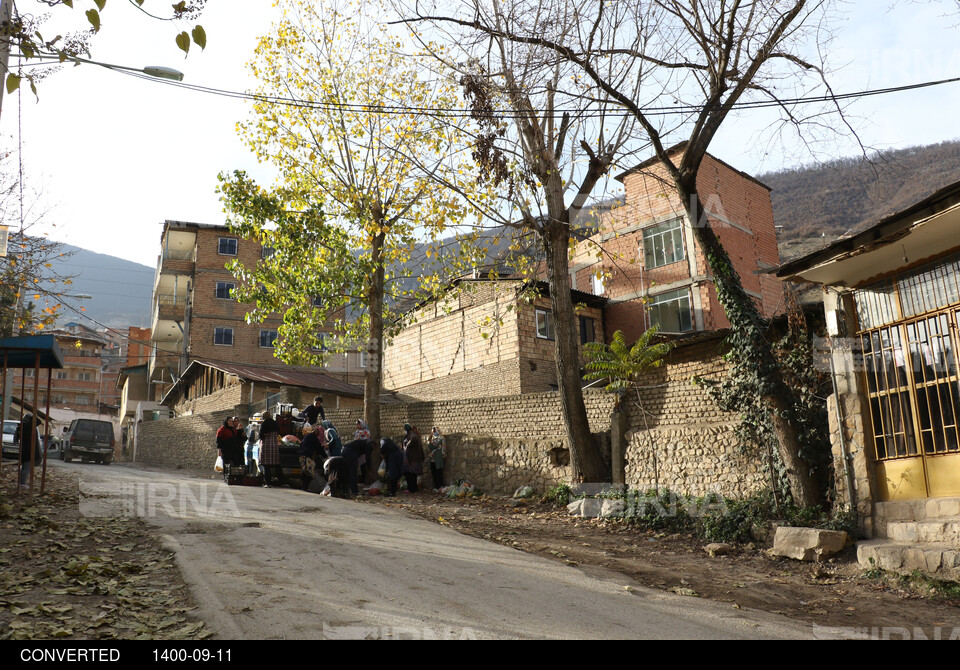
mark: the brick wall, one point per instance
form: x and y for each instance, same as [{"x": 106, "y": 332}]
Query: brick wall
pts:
[
  {"x": 742, "y": 218},
  {"x": 501, "y": 443}
]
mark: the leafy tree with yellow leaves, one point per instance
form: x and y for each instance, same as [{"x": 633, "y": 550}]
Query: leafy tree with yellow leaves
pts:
[{"x": 361, "y": 194}]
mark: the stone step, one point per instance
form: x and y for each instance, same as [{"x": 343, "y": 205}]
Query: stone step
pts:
[
  {"x": 929, "y": 509},
  {"x": 940, "y": 531},
  {"x": 940, "y": 561}
]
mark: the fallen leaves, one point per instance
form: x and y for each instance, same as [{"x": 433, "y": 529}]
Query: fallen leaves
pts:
[{"x": 68, "y": 576}]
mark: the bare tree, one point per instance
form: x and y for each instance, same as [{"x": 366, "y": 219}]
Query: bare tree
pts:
[
  {"x": 548, "y": 138},
  {"x": 679, "y": 69}
]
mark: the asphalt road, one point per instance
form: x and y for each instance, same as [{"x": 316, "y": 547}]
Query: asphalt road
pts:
[{"x": 284, "y": 564}]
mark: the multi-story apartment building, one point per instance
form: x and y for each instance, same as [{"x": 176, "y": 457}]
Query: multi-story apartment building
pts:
[
  {"x": 76, "y": 389},
  {"x": 651, "y": 266},
  {"x": 195, "y": 318}
]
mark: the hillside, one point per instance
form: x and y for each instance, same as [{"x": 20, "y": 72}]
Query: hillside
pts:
[
  {"x": 817, "y": 204},
  {"x": 121, "y": 290}
]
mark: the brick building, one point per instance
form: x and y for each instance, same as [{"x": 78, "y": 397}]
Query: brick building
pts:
[
  {"x": 490, "y": 338},
  {"x": 651, "y": 267},
  {"x": 76, "y": 389},
  {"x": 194, "y": 315}
]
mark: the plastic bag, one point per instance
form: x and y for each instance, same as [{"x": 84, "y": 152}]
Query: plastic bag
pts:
[
  {"x": 218, "y": 466},
  {"x": 375, "y": 489},
  {"x": 382, "y": 470}
]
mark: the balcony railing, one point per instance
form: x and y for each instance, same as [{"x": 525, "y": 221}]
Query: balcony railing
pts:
[
  {"x": 171, "y": 300},
  {"x": 180, "y": 255}
]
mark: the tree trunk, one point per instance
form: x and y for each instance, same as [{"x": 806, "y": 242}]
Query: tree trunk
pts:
[
  {"x": 750, "y": 345},
  {"x": 373, "y": 375},
  {"x": 585, "y": 457}
]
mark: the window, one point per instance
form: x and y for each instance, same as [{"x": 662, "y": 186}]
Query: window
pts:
[
  {"x": 84, "y": 376},
  {"x": 228, "y": 246},
  {"x": 224, "y": 288},
  {"x": 267, "y": 338},
  {"x": 267, "y": 252},
  {"x": 671, "y": 311},
  {"x": 544, "y": 324},
  {"x": 84, "y": 400},
  {"x": 317, "y": 301},
  {"x": 588, "y": 330},
  {"x": 363, "y": 358},
  {"x": 663, "y": 244},
  {"x": 60, "y": 375},
  {"x": 223, "y": 336},
  {"x": 598, "y": 284}
]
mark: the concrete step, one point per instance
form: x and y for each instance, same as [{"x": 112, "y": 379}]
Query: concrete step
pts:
[
  {"x": 929, "y": 509},
  {"x": 940, "y": 531},
  {"x": 940, "y": 561}
]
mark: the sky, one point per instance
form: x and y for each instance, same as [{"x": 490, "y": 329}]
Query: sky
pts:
[{"x": 108, "y": 157}]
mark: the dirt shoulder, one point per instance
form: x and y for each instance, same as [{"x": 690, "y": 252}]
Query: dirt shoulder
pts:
[
  {"x": 64, "y": 575},
  {"x": 835, "y": 594}
]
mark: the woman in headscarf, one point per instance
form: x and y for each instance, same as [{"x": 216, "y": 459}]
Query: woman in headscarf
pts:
[
  {"x": 437, "y": 446},
  {"x": 333, "y": 444},
  {"x": 413, "y": 457},
  {"x": 270, "y": 450},
  {"x": 393, "y": 458},
  {"x": 311, "y": 452},
  {"x": 352, "y": 452},
  {"x": 228, "y": 443},
  {"x": 363, "y": 433},
  {"x": 337, "y": 471}
]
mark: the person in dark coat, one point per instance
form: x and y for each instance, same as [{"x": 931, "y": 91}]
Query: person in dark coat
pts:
[
  {"x": 393, "y": 458},
  {"x": 312, "y": 412},
  {"x": 337, "y": 472},
  {"x": 26, "y": 435},
  {"x": 311, "y": 452},
  {"x": 228, "y": 443},
  {"x": 352, "y": 451},
  {"x": 334, "y": 445},
  {"x": 413, "y": 457}
]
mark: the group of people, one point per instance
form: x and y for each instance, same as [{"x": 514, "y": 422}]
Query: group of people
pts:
[
  {"x": 406, "y": 459},
  {"x": 323, "y": 452}
]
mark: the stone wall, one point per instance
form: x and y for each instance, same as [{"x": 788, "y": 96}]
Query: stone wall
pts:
[
  {"x": 501, "y": 443},
  {"x": 681, "y": 439}
]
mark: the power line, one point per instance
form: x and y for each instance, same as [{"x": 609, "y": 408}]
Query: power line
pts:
[{"x": 453, "y": 112}]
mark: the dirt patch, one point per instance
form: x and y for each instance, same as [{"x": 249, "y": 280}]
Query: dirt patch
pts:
[
  {"x": 64, "y": 575},
  {"x": 835, "y": 594}
]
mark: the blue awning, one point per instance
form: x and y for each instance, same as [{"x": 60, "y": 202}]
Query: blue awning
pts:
[{"x": 21, "y": 352}]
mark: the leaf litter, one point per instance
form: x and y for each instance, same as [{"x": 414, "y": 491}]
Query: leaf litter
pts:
[{"x": 65, "y": 576}]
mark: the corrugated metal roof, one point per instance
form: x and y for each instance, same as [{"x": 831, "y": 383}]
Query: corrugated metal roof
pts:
[
  {"x": 316, "y": 381},
  {"x": 288, "y": 377}
]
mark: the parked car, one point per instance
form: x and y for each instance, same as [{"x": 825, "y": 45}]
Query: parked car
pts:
[
  {"x": 11, "y": 446},
  {"x": 88, "y": 440}
]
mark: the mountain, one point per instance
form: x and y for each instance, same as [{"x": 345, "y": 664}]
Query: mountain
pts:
[
  {"x": 817, "y": 204},
  {"x": 121, "y": 290}
]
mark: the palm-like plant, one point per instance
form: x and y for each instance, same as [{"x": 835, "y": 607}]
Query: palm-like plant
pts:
[{"x": 622, "y": 366}]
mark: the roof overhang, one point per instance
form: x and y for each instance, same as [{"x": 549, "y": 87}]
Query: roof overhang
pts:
[{"x": 23, "y": 352}]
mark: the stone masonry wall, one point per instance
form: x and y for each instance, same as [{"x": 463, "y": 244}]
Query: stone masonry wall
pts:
[
  {"x": 681, "y": 437},
  {"x": 501, "y": 443}
]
